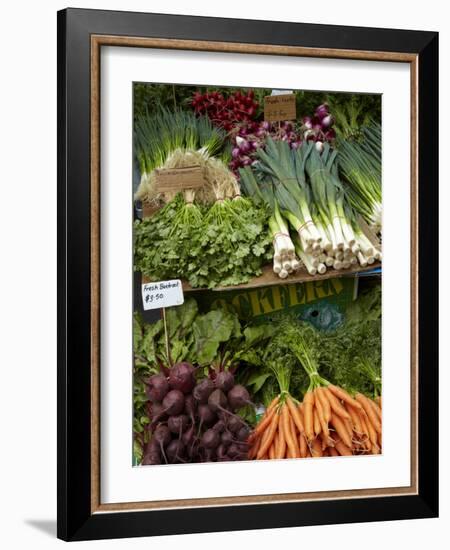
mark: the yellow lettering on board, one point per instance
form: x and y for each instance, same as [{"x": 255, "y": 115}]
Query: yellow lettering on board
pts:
[
  {"x": 267, "y": 307},
  {"x": 277, "y": 298},
  {"x": 321, "y": 292},
  {"x": 296, "y": 294},
  {"x": 240, "y": 303},
  {"x": 338, "y": 285},
  {"x": 254, "y": 301},
  {"x": 310, "y": 294},
  {"x": 293, "y": 296}
]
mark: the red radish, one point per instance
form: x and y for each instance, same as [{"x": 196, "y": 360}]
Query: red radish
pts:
[
  {"x": 189, "y": 407},
  {"x": 206, "y": 415},
  {"x": 227, "y": 438},
  {"x": 203, "y": 390},
  {"x": 162, "y": 437},
  {"x": 178, "y": 423},
  {"x": 224, "y": 381},
  {"x": 173, "y": 403},
  {"x": 157, "y": 387},
  {"x": 181, "y": 377},
  {"x": 235, "y": 423},
  {"x": 238, "y": 397},
  {"x": 210, "y": 439},
  {"x": 243, "y": 434},
  {"x": 175, "y": 450},
  {"x": 219, "y": 426},
  {"x": 217, "y": 401}
]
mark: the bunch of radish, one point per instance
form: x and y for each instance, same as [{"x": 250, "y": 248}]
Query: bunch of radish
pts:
[
  {"x": 247, "y": 138},
  {"x": 318, "y": 128},
  {"x": 195, "y": 421},
  {"x": 224, "y": 111}
]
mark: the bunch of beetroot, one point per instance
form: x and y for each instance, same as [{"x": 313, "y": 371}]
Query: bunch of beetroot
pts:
[
  {"x": 318, "y": 128},
  {"x": 247, "y": 138},
  {"x": 195, "y": 421},
  {"x": 223, "y": 111}
]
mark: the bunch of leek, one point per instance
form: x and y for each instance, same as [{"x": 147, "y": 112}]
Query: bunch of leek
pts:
[
  {"x": 360, "y": 166},
  {"x": 178, "y": 139},
  {"x": 303, "y": 189},
  {"x": 262, "y": 192}
]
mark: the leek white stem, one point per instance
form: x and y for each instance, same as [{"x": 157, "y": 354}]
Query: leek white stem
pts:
[{"x": 362, "y": 259}]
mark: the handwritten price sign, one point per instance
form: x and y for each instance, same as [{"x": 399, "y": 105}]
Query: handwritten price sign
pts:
[
  {"x": 162, "y": 294},
  {"x": 279, "y": 107}
]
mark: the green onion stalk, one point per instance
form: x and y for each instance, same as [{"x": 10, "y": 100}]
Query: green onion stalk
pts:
[
  {"x": 287, "y": 168},
  {"x": 262, "y": 191},
  {"x": 360, "y": 165},
  {"x": 367, "y": 252},
  {"x": 174, "y": 140}
]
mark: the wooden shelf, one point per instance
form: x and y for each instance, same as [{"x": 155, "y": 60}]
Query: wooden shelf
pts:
[{"x": 269, "y": 278}]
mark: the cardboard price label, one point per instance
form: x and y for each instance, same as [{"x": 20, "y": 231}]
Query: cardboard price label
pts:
[
  {"x": 162, "y": 294},
  {"x": 178, "y": 179},
  {"x": 280, "y": 107}
]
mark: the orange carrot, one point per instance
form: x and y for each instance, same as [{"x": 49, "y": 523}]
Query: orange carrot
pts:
[
  {"x": 365, "y": 431},
  {"x": 273, "y": 403},
  {"x": 340, "y": 393},
  {"x": 294, "y": 437},
  {"x": 254, "y": 449},
  {"x": 321, "y": 415},
  {"x": 332, "y": 451},
  {"x": 281, "y": 448},
  {"x": 376, "y": 408},
  {"x": 335, "y": 404},
  {"x": 295, "y": 414},
  {"x": 376, "y": 450},
  {"x": 343, "y": 449},
  {"x": 354, "y": 416},
  {"x": 316, "y": 448},
  {"x": 286, "y": 423},
  {"x": 276, "y": 441},
  {"x": 271, "y": 430},
  {"x": 308, "y": 403},
  {"x": 326, "y": 440},
  {"x": 372, "y": 431},
  {"x": 264, "y": 422},
  {"x": 365, "y": 403},
  {"x": 341, "y": 430},
  {"x": 303, "y": 446},
  {"x": 272, "y": 451},
  {"x": 326, "y": 407},
  {"x": 378, "y": 400},
  {"x": 348, "y": 425},
  {"x": 317, "y": 425}
]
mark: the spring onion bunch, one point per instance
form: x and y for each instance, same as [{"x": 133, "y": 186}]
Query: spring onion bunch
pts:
[
  {"x": 178, "y": 139},
  {"x": 360, "y": 166},
  {"x": 305, "y": 193},
  {"x": 262, "y": 191}
]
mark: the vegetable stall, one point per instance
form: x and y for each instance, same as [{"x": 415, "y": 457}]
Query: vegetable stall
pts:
[{"x": 274, "y": 227}]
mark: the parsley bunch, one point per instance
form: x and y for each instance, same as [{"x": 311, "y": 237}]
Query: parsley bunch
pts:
[{"x": 223, "y": 245}]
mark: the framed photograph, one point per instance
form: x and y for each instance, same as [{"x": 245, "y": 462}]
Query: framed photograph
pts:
[{"x": 247, "y": 252}]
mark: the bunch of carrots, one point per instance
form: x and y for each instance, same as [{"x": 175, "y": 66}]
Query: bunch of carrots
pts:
[{"x": 329, "y": 421}]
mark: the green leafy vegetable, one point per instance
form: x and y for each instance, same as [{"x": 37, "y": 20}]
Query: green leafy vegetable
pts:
[{"x": 227, "y": 247}]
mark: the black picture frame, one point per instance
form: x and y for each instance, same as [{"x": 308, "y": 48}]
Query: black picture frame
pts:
[{"x": 75, "y": 518}]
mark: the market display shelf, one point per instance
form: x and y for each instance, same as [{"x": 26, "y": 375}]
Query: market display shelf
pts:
[{"x": 269, "y": 278}]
